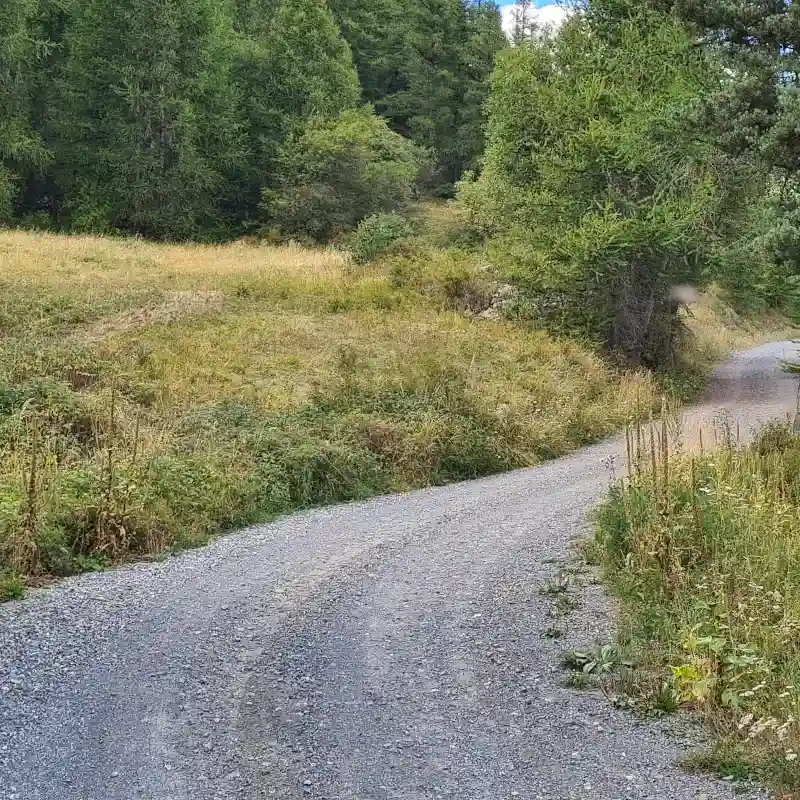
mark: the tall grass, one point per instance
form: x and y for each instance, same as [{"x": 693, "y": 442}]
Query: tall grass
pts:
[
  {"x": 704, "y": 551},
  {"x": 153, "y": 396}
]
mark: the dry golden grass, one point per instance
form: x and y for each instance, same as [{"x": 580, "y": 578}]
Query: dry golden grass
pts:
[
  {"x": 267, "y": 324},
  {"x": 53, "y": 258}
]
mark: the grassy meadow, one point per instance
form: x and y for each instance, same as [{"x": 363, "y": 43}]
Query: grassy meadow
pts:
[{"x": 152, "y": 395}]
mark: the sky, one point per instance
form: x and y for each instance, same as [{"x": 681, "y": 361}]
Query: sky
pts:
[{"x": 546, "y": 11}]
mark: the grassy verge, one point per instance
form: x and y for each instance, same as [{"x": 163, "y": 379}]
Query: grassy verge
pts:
[
  {"x": 704, "y": 553},
  {"x": 152, "y": 396},
  {"x": 717, "y": 330}
]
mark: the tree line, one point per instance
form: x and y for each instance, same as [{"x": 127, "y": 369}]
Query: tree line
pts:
[
  {"x": 643, "y": 146},
  {"x": 185, "y": 119}
]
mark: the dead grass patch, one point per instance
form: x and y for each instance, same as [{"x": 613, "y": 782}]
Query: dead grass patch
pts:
[{"x": 176, "y": 307}]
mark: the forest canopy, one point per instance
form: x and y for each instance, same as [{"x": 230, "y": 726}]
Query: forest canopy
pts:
[{"x": 175, "y": 119}]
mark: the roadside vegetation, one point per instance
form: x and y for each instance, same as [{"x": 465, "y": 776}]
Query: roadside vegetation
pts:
[
  {"x": 221, "y": 298},
  {"x": 703, "y": 552},
  {"x": 700, "y": 547},
  {"x": 154, "y": 395}
]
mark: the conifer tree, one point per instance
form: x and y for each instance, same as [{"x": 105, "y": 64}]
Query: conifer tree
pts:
[
  {"x": 20, "y": 147},
  {"x": 292, "y": 65},
  {"x": 425, "y": 66},
  {"x": 376, "y": 31},
  {"x": 602, "y": 196},
  {"x": 523, "y": 24},
  {"x": 149, "y": 124}
]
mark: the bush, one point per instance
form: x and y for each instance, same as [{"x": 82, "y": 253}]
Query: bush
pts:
[
  {"x": 12, "y": 587},
  {"x": 445, "y": 191},
  {"x": 229, "y": 464},
  {"x": 337, "y": 172},
  {"x": 451, "y": 278},
  {"x": 376, "y": 234},
  {"x": 758, "y": 269}
]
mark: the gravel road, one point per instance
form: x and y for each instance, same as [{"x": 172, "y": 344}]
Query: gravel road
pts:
[{"x": 389, "y": 650}]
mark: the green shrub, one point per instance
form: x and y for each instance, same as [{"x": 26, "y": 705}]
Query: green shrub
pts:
[
  {"x": 446, "y": 191},
  {"x": 376, "y": 234},
  {"x": 451, "y": 278},
  {"x": 228, "y": 464},
  {"x": 12, "y": 587},
  {"x": 758, "y": 265},
  {"x": 337, "y": 172}
]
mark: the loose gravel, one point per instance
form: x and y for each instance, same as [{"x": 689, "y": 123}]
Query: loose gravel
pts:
[{"x": 388, "y": 650}]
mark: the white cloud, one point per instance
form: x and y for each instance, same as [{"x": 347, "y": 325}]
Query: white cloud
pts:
[{"x": 547, "y": 16}]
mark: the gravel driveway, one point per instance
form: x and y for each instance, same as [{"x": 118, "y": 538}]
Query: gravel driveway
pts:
[{"x": 389, "y": 650}]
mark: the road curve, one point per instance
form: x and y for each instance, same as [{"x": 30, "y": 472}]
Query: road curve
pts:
[{"x": 388, "y": 650}]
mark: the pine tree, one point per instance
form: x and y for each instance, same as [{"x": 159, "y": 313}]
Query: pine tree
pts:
[
  {"x": 39, "y": 192},
  {"x": 292, "y": 65},
  {"x": 149, "y": 122},
  {"x": 253, "y": 16},
  {"x": 486, "y": 40},
  {"x": 312, "y": 65},
  {"x": 20, "y": 147},
  {"x": 752, "y": 113},
  {"x": 425, "y": 66},
  {"x": 376, "y": 31},
  {"x": 759, "y": 43},
  {"x": 601, "y": 196},
  {"x": 523, "y": 28}
]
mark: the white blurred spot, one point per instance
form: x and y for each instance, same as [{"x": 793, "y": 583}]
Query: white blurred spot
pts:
[
  {"x": 551, "y": 16},
  {"x": 684, "y": 295}
]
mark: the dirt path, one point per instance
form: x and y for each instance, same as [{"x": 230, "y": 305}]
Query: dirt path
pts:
[{"x": 382, "y": 651}]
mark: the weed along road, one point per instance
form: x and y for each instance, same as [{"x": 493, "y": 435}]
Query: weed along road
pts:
[{"x": 406, "y": 647}]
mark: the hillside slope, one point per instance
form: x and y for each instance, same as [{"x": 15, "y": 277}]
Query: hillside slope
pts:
[{"x": 153, "y": 395}]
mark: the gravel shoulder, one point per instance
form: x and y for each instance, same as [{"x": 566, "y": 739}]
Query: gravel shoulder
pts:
[{"x": 388, "y": 650}]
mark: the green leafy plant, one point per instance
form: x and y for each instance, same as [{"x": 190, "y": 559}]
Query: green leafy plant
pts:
[
  {"x": 597, "y": 197},
  {"x": 335, "y": 173},
  {"x": 375, "y": 235},
  {"x": 601, "y": 660},
  {"x": 700, "y": 550},
  {"x": 558, "y": 585},
  {"x": 12, "y": 586}
]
